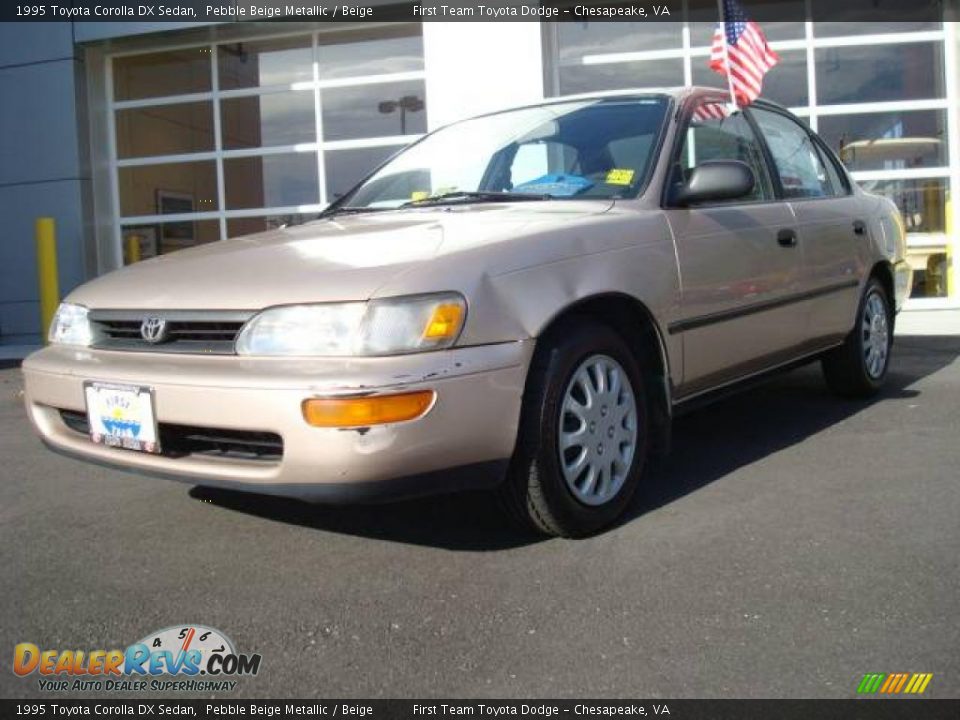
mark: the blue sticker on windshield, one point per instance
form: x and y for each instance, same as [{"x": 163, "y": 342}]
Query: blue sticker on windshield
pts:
[{"x": 555, "y": 185}]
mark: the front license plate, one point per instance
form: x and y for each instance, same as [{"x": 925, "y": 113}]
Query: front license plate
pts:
[{"x": 122, "y": 416}]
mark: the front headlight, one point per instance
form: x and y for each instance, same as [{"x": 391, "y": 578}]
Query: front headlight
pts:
[
  {"x": 70, "y": 326},
  {"x": 392, "y": 326}
]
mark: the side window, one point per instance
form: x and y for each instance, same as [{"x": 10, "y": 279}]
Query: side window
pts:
[
  {"x": 837, "y": 181},
  {"x": 801, "y": 169},
  {"x": 714, "y": 134}
]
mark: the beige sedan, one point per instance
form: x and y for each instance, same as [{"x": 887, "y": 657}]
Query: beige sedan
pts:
[{"x": 521, "y": 300}]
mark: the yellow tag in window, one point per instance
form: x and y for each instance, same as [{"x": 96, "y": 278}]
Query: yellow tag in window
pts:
[
  {"x": 419, "y": 195},
  {"x": 619, "y": 176}
]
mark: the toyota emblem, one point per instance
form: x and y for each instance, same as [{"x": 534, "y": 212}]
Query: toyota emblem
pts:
[{"x": 153, "y": 329}]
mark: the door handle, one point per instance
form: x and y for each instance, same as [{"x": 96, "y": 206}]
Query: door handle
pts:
[
  {"x": 859, "y": 227},
  {"x": 787, "y": 237}
]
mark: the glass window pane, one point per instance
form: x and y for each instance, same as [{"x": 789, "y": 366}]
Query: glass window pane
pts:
[
  {"x": 704, "y": 21},
  {"x": 379, "y": 110},
  {"x": 712, "y": 135},
  {"x": 264, "y": 120},
  {"x": 930, "y": 274},
  {"x": 877, "y": 73},
  {"x": 248, "y": 226},
  {"x": 168, "y": 188},
  {"x": 176, "y": 72},
  {"x": 165, "y": 130},
  {"x": 899, "y": 17},
  {"x": 839, "y": 29},
  {"x": 922, "y": 202},
  {"x": 375, "y": 51},
  {"x": 785, "y": 83},
  {"x": 616, "y": 76},
  {"x": 888, "y": 141},
  {"x": 271, "y": 181},
  {"x": 802, "y": 173},
  {"x": 345, "y": 168},
  {"x": 141, "y": 242},
  {"x": 265, "y": 62},
  {"x": 577, "y": 39}
]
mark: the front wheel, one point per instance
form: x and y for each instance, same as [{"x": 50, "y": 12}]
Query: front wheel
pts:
[
  {"x": 858, "y": 368},
  {"x": 584, "y": 433}
]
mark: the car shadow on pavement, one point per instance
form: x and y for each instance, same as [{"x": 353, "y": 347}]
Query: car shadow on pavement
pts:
[{"x": 708, "y": 444}]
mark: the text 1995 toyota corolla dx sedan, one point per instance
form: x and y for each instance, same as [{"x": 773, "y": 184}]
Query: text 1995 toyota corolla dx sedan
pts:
[{"x": 520, "y": 300}]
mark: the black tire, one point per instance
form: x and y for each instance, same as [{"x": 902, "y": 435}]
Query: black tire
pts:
[
  {"x": 846, "y": 368},
  {"x": 535, "y": 492}
]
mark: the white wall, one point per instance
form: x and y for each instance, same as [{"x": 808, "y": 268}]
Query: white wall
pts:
[{"x": 477, "y": 67}]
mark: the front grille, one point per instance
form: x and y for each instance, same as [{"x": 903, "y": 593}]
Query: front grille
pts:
[
  {"x": 200, "y": 331},
  {"x": 181, "y": 440}
]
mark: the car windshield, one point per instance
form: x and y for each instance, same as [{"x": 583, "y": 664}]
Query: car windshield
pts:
[{"x": 595, "y": 148}]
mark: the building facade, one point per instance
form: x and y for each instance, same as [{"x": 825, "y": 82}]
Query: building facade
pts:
[{"x": 144, "y": 138}]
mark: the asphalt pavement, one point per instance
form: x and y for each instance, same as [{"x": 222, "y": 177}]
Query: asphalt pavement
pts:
[{"x": 791, "y": 543}]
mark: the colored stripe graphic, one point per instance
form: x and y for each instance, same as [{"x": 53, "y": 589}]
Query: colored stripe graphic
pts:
[
  {"x": 871, "y": 683},
  {"x": 894, "y": 683}
]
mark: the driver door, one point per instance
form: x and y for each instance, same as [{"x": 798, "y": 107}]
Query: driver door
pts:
[{"x": 737, "y": 274}]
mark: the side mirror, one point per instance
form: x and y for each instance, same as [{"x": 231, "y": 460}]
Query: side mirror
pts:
[{"x": 716, "y": 180}]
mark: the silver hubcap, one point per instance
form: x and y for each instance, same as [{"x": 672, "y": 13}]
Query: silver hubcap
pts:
[
  {"x": 875, "y": 331},
  {"x": 598, "y": 430}
]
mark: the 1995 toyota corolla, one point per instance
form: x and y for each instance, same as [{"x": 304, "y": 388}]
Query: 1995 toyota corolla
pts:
[{"x": 523, "y": 299}]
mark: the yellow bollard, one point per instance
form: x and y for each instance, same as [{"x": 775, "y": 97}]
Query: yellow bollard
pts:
[
  {"x": 48, "y": 282},
  {"x": 133, "y": 249}
]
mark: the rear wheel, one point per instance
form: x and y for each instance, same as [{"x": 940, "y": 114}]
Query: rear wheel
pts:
[
  {"x": 858, "y": 368},
  {"x": 584, "y": 433}
]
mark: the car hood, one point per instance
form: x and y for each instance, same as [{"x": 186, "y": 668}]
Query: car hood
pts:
[{"x": 347, "y": 257}]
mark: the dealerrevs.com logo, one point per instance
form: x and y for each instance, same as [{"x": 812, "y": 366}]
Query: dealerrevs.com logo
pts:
[{"x": 189, "y": 658}]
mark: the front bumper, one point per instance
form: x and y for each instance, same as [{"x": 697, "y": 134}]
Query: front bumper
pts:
[{"x": 464, "y": 440}]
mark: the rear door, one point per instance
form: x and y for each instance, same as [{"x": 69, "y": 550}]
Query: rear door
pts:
[
  {"x": 738, "y": 275},
  {"x": 828, "y": 223}
]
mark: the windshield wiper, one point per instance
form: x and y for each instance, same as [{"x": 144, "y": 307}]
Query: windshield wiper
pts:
[
  {"x": 350, "y": 210},
  {"x": 476, "y": 196}
]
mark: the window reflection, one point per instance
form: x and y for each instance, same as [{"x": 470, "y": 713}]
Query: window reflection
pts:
[
  {"x": 265, "y": 120},
  {"x": 615, "y": 76},
  {"x": 888, "y": 141},
  {"x": 376, "y": 51},
  {"x": 892, "y": 16},
  {"x": 922, "y": 202},
  {"x": 271, "y": 181},
  {"x": 930, "y": 271},
  {"x": 168, "y": 188},
  {"x": 701, "y": 31},
  {"x": 265, "y": 62},
  {"x": 345, "y": 168},
  {"x": 577, "y": 39},
  {"x": 785, "y": 83},
  {"x": 165, "y": 130},
  {"x": 249, "y": 120},
  {"x": 374, "y": 110},
  {"x": 877, "y": 73},
  {"x": 142, "y": 242},
  {"x": 176, "y": 72}
]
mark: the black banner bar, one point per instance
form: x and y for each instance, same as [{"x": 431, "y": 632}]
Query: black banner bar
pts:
[
  {"x": 471, "y": 10},
  {"x": 860, "y": 709}
]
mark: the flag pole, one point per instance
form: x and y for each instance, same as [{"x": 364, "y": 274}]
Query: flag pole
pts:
[{"x": 726, "y": 56}]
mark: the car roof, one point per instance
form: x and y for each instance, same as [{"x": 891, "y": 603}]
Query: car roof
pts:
[{"x": 678, "y": 93}]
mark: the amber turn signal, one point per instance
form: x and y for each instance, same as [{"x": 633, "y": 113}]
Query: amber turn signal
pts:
[
  {"x": 444, "y": 322},
  {"x": 363, "y": 411}
]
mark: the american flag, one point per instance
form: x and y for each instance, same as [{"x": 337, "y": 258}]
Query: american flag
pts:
[
  {"x": 710, "y": 111},
  {"x": 747, "y": 53}
]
